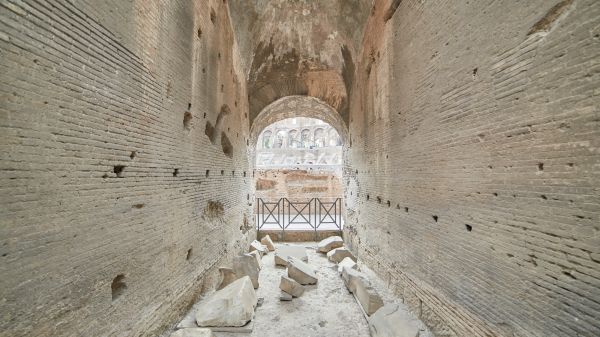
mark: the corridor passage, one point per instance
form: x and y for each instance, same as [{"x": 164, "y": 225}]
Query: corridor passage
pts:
[{"x": 146, "y": 146}]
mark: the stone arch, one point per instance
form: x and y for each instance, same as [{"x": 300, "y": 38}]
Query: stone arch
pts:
[{"x": 298, "y": 106}]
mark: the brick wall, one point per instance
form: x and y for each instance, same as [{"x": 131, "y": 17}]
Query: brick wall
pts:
[
  {"x": 474, "y": 179},
  {"x": 116, "y": 206}
]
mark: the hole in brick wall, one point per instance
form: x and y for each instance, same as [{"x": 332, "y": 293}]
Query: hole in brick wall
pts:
[
  {"x": 495, "y": 194},
  {"x": 368, "y": 197},
  {"x": 233, "y": 173},
  {"x": 475, "y": 72},
  {"x": 570, "y": 164},
  {"x": 235, "y": 104},
  {"x": 209, "y": 131},
  {"x": 187, "y": 120},
  {"x": 540, "y": 166},
  {"x": 244, "y": 173},
  {"x": 199, "y": 32},
  {"x": 204, "y": 115},
  {"x": 207, "y": 172},
  {"x": 175, "y": 172},
  {"x": 247, "y": 196},
  {"x": 247, "y": 142},
  {"x": 222, "y": 87},
  {"x": 406, "y": 209},
  {"x": 138, "y": 206},
  {"x": 189, "y": 106},
  {"x": 468, "y": 227},
  {"x": 105, "y": 176},
  {"x": 226, "y": 146},
  {"x": 118, "y": 170},
  {"x": 118, "y": 286},
  {"x": 379, "y": 200},
  {"x": 132, "y": 154},
  {"x": 222, "y": 172},
  {"x": 397, "y": 206},
  {"x": 203, "y": 70},
  {"x": 213, "y": 16},
  {"x": 389, "y": 204},
  {"x": 219, "y": 56},
  {"x": 569, "y": 274},
  {"x": 544, "y": 197},
  {"x": 435, "y": 218},
  {"x": 189, "y": 254}
]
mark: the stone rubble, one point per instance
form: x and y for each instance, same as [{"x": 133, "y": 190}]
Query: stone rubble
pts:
[
  {"x": 256, "y": 254},
  {"x": 231, "y": 306},
  {"x": 255, "y": 245},
  {"x": 267, "y": 242},
  {"x": 247, "y": 265},
  {"x": 339, "y": 254},
  {"x": 291, "y": 287},
  {"x": 301, "y": 272},
  {"x": 347, "y": 262},
  {"x": 330, "y": 243},
  {"x": 360, "y": 286},
  {"x": 390, "y": 321},
  {"x": 283, "y": 252}
]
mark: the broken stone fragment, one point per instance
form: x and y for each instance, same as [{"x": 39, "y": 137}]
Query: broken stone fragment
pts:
[
  {"x": 360, "y": 286},
  {"x": 339, "y": 254},
  {"x": 347, "y": 262},
  {"x": 301, "y": 272},
  {"x": 267, "y": 242},
  {"x": 231, "y": 306},
  {"x": 227, "y": 276},
  {"x": 193, "y": 332},
  {"x": 255, "y": 245},
  {"x": 330, "y": 243},
  {"x": 285, "y": 296},
  {"x": 290, "y": 286},
  {"x": 392, "y": 321},
  {"x": 283, "y": 252},
  {"x": 246, "y": 265},
  {"x": 256, "y": 254}
]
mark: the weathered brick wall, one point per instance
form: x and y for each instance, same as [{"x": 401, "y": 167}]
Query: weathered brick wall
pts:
[
  {"x": 300, "y": 185},
  {"x": 475, "y": 181},
  {"x": 107, "y": 168}
]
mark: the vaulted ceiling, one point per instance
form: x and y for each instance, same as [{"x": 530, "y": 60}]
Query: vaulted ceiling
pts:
[{"x": 299, "y": 47}]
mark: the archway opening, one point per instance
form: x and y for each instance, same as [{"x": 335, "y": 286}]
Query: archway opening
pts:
[{"x": 298, "y": 155}]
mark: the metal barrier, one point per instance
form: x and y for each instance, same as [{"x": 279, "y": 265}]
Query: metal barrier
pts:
[{"x": 315, "y": 214}]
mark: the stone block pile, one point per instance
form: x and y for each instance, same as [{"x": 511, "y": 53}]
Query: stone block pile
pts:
[
  {"x": 385, "y": 320},
  {"x": 299, "y": 272}
]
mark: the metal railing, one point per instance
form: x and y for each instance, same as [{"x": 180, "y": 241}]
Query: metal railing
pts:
[{"x": 284, "y": 214}]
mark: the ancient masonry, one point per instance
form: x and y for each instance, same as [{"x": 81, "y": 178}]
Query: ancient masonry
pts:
[{"x": 470, "y": 135}]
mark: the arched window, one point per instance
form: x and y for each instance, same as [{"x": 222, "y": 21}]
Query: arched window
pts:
[
  {"x": 266, "y": 140},
  {"x": 292, "y": 141},
  {"x": 305, "y": 138},
  {"x": 320, "y": 137},
  {"x": 280, "y": 139}
]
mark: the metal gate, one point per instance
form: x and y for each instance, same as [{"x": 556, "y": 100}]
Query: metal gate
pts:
[{"x": 285, "y": 214}]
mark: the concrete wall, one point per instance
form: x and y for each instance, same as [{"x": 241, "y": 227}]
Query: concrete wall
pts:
[
  {"x": 474, "y": 186},
  {"x": 116, "y": 206}
]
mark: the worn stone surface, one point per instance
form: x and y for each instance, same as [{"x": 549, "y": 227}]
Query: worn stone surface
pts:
[
  {"x": 359, "y": 285},
  {"x": 330, "y": 243},
  {"x": 231, "y": 306},
  {"x": 227, "y": 276},
  {"x": 193, "y": 332},
  {"x": 114, "y": 211},
  {"x": 338, "y": 254},
  {"x": 390, "y": 321},
  {"x": 247, "y": 265},
  {"x": 473, "y": 167},
  {"x": 290, "y": 286},
  {"x": 301, "y": 272},
  {"x": 284, "y": 296},
  {"x": 267, "y": 242},
  {"x": 284, "y": 252},
  {"x": 258, "y": 258},
  {"x": 347, "y": 262}
]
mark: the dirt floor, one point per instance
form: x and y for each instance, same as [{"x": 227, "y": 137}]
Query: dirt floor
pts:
[{"x": 325, "y": 309}]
